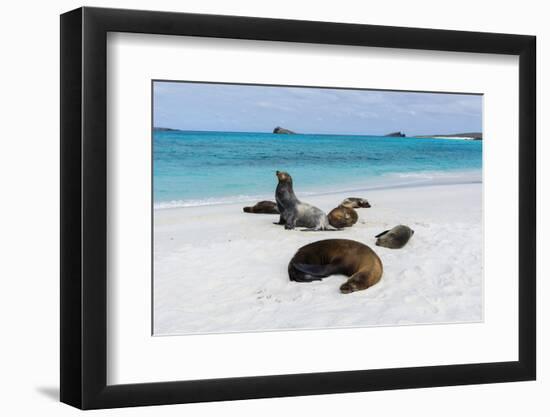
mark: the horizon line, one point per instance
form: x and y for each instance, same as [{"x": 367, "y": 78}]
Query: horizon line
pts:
[{"x": 314, "y": 133}]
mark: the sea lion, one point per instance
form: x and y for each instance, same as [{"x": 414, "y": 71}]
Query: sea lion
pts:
[
  {"x": 342, "y": 216},
  {"x": 320, "y": 259},
  {"x": 394, "y": 238},
  {"x": 355, "y": 202},
  {"x": 293, "y": 211},
  {"x": 262, "y": 207}
]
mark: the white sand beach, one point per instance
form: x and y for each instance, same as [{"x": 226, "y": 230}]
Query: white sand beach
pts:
[{"x": 217, "y": 269}]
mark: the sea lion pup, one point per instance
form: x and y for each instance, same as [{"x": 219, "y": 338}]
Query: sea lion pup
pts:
[
  {"x": 293, "y": 211},
  {"x": 342, "y": 216},
  {"x": 394, "y": 238},
  {"x": 262, "y": 207},
  {"x": 355, "y": 202},
  {"x": 320, "y": 259}
]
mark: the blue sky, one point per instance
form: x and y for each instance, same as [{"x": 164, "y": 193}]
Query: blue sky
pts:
[{"x": 245, "y": 108}]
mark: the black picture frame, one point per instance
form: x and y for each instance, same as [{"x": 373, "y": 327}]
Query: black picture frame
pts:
[{"x": 84, "y": 207}]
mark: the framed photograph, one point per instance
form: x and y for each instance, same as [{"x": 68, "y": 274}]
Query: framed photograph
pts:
[{"x": 257, "y": 208}]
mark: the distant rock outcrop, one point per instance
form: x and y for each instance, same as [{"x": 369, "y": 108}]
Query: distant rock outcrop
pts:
[
  {"x": 468, "y": 135},
  {"x": 166, "y": 129},
  {"x": 282, "y": 131},
  {"x": 396, "y": 135}
]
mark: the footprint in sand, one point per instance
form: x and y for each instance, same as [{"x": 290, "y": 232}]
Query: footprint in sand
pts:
[
  {"x": 430, "y": 309},
  {"x": 421, "y": 224},
  {"x": 410, "y": 298},
  {"x": 452, "y": 292}
]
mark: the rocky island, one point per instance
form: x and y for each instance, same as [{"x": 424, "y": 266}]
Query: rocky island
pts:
[
  {"x": 165, "y": 129},
  {"x": 467, "y": 136},
  {"x": 282, "y": 131},
  {"x": 395, "y": 135}
]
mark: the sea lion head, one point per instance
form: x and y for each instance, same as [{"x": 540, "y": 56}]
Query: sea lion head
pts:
[
  {"x": 354, "y": 202},
  {"x": 283, "y": 176}
]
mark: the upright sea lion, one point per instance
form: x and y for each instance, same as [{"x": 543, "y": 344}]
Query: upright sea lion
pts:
[
  {"x": 293, "y": 211},
  {"x": 394, "y": 238},
  {"x": 355, "y": 202},
  {"x": 320, "y": 259},
  {"x": 263, "y": 207},
  {"x": 342, "y": 217}
]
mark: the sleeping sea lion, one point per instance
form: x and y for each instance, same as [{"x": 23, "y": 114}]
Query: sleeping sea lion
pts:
[
  {"x": 394, "y": 238},
  {"x": 342, "y": 217},
  {"x": 355, "y": 202},
  {"x": 262, "y": 207},
  {"x": 320, "y": 259},
  {"x": 293, "y": 211}
]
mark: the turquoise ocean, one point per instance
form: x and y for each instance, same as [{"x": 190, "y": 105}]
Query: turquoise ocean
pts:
[{"x": 203, "y": 168}]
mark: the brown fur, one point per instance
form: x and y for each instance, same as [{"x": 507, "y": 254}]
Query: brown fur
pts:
[
  {"x": 263, "y": 207},
  {"x": 355, "y": 202},
  {"x": 337, "y": 256},
  {"x": 342, "y": 217}
]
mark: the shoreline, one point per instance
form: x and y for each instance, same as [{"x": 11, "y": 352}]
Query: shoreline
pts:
[{"x": 383, "y": 182}]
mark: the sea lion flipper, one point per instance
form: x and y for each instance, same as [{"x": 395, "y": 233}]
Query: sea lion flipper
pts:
[
  {"x": 360, "y": 281},
  {"x": 281, "y": 221},
  {"x": 383, "y": 233},
  {"x": 316, "y": 270}
]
